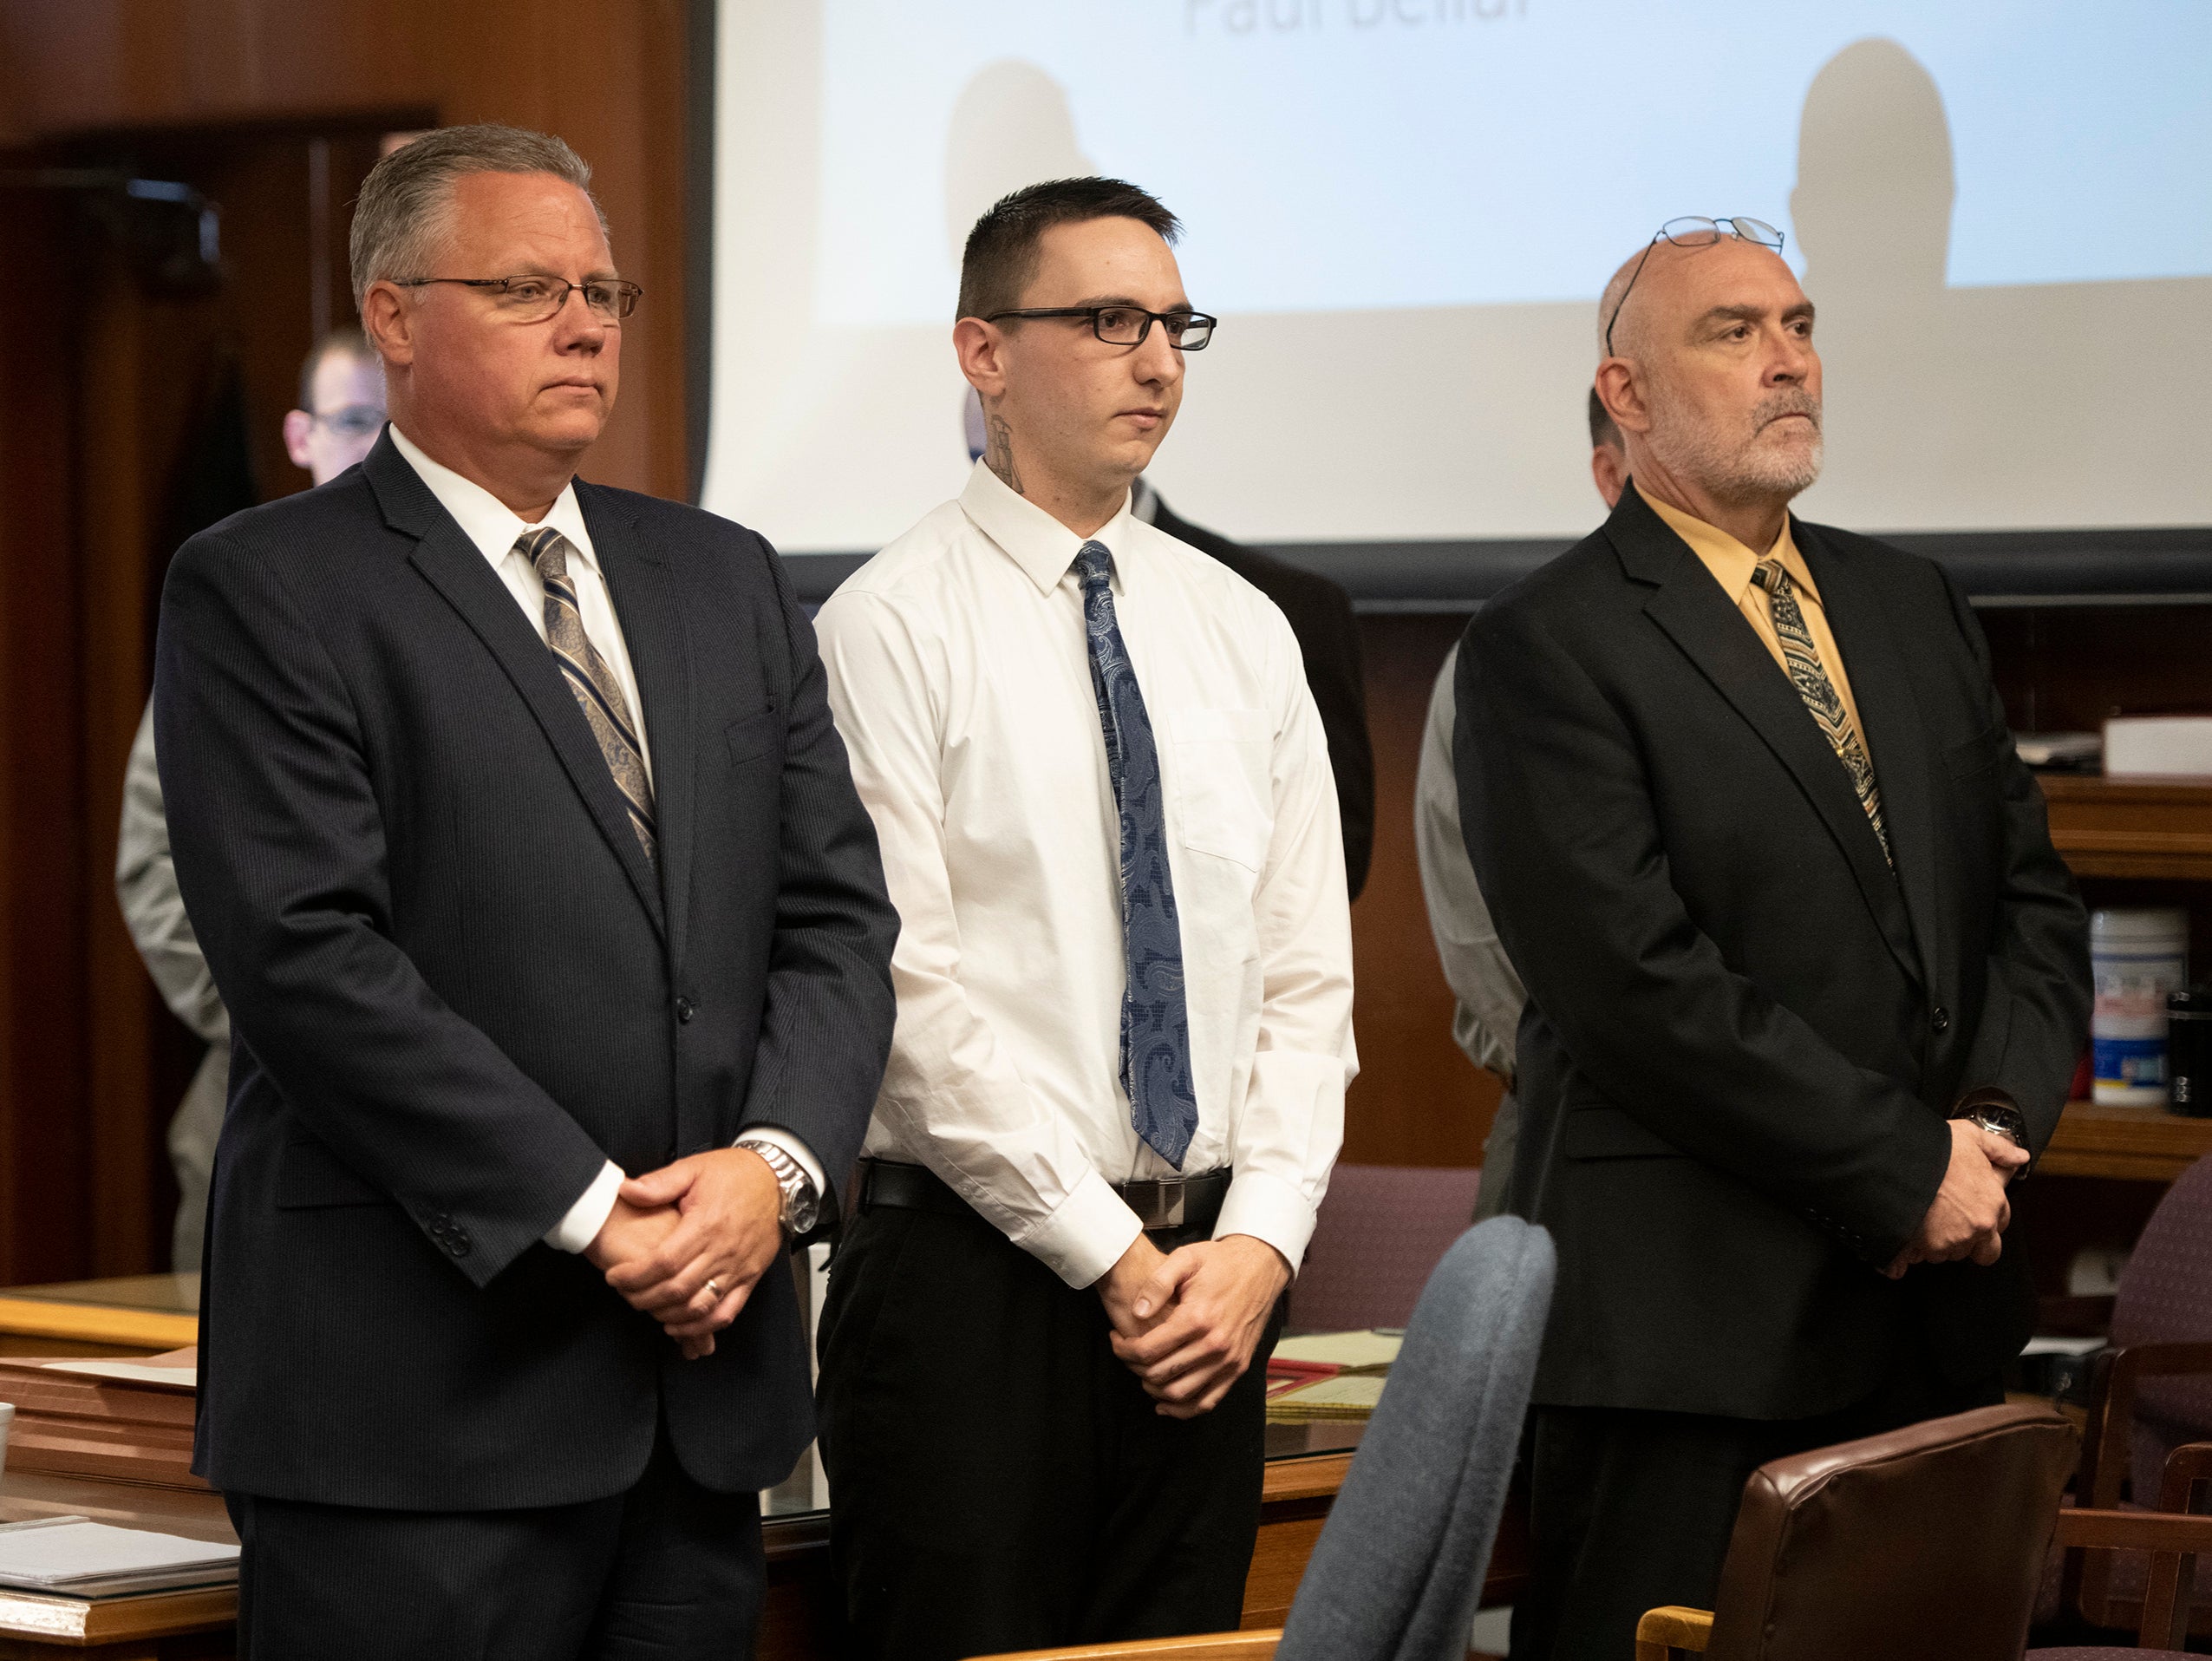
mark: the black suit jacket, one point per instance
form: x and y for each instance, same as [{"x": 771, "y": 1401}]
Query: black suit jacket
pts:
[
  {"x": 1744, "y": 1031},
  {"x": 457, "y": 986},
  {"x": 1320, "y": 614}
]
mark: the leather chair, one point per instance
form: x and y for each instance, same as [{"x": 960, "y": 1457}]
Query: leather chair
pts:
[
  {"x": 1399, "y": 1566},
  {"x": 1925, "y": 1543}
]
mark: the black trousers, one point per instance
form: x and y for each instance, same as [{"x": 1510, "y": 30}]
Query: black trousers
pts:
[
  {"x": 1632, "y": 1510},
  {"x": 668, "y": 1571},
  {"x": 998, "y": 1480}
]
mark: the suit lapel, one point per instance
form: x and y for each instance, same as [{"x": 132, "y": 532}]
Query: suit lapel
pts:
[
  {"x": 1695, "y": 614},
  {"x": 457, "y": 569},
  {"x": 1895, "y": 740},
  {"x": 650, "y": 612}
]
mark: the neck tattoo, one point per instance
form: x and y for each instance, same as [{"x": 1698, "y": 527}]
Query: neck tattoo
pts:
[{"x": 998, "y": 456}]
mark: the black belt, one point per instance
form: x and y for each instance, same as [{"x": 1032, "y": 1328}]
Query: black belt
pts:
[{"x": 1179, "y": 1202}]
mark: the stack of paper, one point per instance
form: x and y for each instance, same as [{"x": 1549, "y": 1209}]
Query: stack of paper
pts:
[
  {"x": 1348, "y": 1395},
  {"x": 1328, "y": 1376},
  {"x": 79, "y": 1558}
]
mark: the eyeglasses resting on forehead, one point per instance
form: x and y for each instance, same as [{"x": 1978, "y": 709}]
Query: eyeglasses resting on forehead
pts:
[{"x": 1694, "y": 232}]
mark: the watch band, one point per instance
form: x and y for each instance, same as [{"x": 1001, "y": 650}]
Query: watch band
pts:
[
  {"x": 801, "y": 1207},
  {"x": 1996, "y": 1112}
]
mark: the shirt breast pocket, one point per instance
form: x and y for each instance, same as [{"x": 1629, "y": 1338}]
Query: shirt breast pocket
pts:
[{"x": 1222, "y": 783}]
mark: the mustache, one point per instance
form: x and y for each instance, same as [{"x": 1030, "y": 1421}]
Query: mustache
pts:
[{"x": 1792, "y": 401}]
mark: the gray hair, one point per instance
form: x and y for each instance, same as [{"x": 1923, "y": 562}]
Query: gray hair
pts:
[{"x": 399, "y": 218}]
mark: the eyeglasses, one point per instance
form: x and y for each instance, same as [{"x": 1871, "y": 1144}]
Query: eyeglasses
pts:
[
  {"x": 536, "y": 299},
  {"x": 355, "y": 420},
  {"x": 1128, "y": 325},
  {"x": 1692, "y": 231}
]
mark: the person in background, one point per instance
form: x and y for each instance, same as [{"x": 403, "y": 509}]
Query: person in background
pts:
[
  {"x": 1806, "y": 980},
  {"x": 341, "y": 411},
  {"x": 1320, "y": 614},
  {"x": 509, "y": 810},
  {"x": 1486, "y": 1011},
  {"x": 1124, "y": 994}
]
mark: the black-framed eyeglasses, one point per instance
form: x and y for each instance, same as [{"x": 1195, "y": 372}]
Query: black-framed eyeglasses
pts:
[
  {"x": 536, "y": 299},
  {"x": 1128, "y": 325},
  {"x": 1693, "y": 231},
  {"x": 355, "y": 420}
]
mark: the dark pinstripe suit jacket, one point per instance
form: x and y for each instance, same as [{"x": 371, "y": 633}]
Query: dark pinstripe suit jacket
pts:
[{"x": 458, "y": 985}]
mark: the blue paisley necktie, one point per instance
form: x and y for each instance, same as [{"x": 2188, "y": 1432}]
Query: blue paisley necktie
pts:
[{"x": 1155, "y": 1022}]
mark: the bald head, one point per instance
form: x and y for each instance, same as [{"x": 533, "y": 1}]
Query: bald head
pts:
[{"x": 1713, "y": 378}]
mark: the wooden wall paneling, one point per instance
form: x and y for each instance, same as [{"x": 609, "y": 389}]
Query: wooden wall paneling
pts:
[
  {"x": 606, "y": 75},
  {"x": 44, "y": 1193},
  {"x": 116, "y": 430},
  {"x": 1418, "y": 1100},
  {"x": 2065, "y": 668}
]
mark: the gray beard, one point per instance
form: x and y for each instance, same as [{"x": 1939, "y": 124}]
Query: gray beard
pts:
[{"x": 1729, "y": 469}]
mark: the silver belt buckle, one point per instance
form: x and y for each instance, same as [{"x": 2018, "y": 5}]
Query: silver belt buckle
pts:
[{"x": 1158, "y": 1202}]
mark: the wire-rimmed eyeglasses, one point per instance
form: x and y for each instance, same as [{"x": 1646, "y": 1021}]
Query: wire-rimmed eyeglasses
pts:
[
  {"x": 1692, "y": 231},
  {"x": 1128, "y": 325},
  {"x": 536, "y": 299},
  {"x": 355, "y": 420}
]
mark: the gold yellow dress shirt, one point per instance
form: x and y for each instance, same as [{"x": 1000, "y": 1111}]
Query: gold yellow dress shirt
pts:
[{"x": 1732, "y": 565}]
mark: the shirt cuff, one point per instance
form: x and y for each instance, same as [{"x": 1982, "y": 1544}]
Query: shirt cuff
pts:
[
  {"x": 1085, "y": 1236},
  {"x": 802, "y": 1155},
  {"x": 1269, "y": 1209},
  {"x": 589, "y": 1214}
]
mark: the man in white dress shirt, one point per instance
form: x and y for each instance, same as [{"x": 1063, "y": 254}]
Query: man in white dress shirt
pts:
[
  {"x": 1487, "y": 994},
  {"x": 1123, "y": 980}
]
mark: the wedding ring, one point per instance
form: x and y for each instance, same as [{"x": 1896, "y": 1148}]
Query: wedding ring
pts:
[{"x": 717, "y": 1290}]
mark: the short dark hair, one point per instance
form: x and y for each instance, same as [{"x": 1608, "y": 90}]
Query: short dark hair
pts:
[
  {"x": 1002, "y": 252},
  {"x": 1602, "y": 431},
  {"x": 346, "y": 337}
]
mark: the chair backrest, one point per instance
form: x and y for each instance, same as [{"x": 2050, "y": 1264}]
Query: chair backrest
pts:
[
  {"x": 1926, "y": 1543},
  {"x": 2165, "y": 1297},
  {"x": 1380, "y": 1231},
  {"x": 1399, "y": 1566}
]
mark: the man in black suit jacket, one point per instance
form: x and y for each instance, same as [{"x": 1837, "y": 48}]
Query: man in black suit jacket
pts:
[
  {"x": 1320, "y": 614},
  {"x": 510, "y": 815},
  {"x": 1763, "y": 972}
]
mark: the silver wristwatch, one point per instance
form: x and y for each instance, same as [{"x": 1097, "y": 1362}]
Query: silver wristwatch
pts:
[{"x": 802, "y": 1206}]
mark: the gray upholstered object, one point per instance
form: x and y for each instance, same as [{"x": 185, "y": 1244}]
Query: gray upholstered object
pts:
[{"x": 1397, "y": 1570}]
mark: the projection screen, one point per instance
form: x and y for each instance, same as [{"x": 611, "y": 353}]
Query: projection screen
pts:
[{"x": 1404, "y": 211}]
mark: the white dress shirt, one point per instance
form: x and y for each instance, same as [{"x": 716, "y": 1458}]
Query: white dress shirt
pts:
[
  {"x": 1488, "y": 995},
  {"x": 495, "y": 528},
  {"x": 961, "y": 681}
]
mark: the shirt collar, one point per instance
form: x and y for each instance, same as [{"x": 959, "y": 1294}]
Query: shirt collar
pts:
[
  {"x": 1032, "y": 538},
  {"x": 1728, "y": 559},
  {"x": 487, "y": 521}
]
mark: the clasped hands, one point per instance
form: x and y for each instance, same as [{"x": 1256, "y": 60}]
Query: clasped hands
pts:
[
  {"x": 1187, "y": 1322},
  {"x": 1971, "y": 1211},
  {"x": 715, "y": 1218}
]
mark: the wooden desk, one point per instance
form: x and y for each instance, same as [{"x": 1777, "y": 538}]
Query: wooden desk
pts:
[
  {"x": 799, "y": 1623},
  {"x": 133, "y": 1315},
  {"x": 156, "y": 1626},
  {"x": 2135, "y": 1144}
]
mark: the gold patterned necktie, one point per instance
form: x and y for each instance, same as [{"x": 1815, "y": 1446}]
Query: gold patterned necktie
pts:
[
  {"x": 597, "y": 692},
  {"x": 1819, "y": 693}
]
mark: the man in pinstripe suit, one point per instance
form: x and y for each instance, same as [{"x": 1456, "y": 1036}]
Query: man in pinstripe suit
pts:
[{"x": 510, "y": 814}]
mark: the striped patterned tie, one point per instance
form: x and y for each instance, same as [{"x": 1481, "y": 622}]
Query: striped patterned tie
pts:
[
  {"x": 1819, "y": 692},
  {"x": 594, "y": 683}
]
